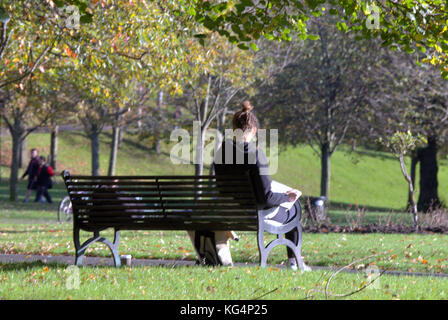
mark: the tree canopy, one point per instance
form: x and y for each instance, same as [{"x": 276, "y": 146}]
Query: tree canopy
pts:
[{"x": 406, "y": 24}]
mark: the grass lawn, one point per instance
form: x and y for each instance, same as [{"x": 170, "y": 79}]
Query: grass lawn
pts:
[
  {"x": 35, "y": 280},
  {"x": 425, "y": 253}
]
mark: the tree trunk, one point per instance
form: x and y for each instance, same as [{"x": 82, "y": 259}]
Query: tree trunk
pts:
[
  {"x": 157, "y": 131},
  {"x": 220, "y": 125},
  {"x": 414, "y": 161},
  {"x": 1, "y": 131},
  {"x": 199, "y": 137},
  {"x": 221, "y": 119},
  {"x": 120, "y": 136},
  {"x": 427, "y": 156},
  {"x": 199, "y": 163},
  {"x": 139, "y": 122},
  {"x": 95, "y": 147},
  {"x": 14, "y": 174},
  {"x": 157, "y": 143},
  {"x": 113, "y": 151},
  {"x": 354, "y": 145},
  {"x": 54, "y": 147},
  {"x": 23, "y": 154},
  {"x": 414, "y": 210},
  {"x": 325, "y": 170}
]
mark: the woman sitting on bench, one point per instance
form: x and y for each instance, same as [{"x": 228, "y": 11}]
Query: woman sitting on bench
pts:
[{"x": 255, "y": 163}]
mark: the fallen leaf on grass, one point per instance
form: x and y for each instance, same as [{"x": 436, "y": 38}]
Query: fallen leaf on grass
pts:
[{"x": 211, "y": 289}]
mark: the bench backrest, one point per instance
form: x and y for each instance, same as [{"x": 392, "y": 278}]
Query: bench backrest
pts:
[{"x": 162, "y": 202}]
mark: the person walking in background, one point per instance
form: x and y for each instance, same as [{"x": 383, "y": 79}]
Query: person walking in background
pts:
[
  {"x": 31, "y": 172},
  {"x": 43, "y": 181}
]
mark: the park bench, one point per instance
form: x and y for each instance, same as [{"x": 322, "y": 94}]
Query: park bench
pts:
[{"x": 214, "y": 203}]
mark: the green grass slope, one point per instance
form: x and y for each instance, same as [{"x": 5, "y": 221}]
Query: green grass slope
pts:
[{"x": 361, "y": 177}]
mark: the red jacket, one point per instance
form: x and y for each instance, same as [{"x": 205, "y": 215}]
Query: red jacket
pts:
[{"x": 44, "y": 175}]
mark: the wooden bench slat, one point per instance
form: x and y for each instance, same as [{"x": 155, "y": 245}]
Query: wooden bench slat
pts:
[
  {"x": 183, "y": 196},
  {"x": 186, "y": 212},
  {"x": 159, "y": 183},
  {"x": 235, "y": 189},
  {"x": 130, "y": 207},
  {"x": 198, "y": 191},
  {"x": 150, "y": 197},
  {"x": 155, "y": 187},
  {"x": 155, "y": 190},
  {"x": 179, "y": 177},
  {"x": 198, "y": 214},
  {"x": 172, "y": 217},
  {"x": 167, "y": 226},
  {"x": 221, "y": 201},
  {"x": 123, "y": 207},
  {"x": 173, "y": 224}
]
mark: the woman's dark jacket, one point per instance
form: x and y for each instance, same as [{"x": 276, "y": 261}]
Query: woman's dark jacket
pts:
[{"x": 251, "y": 160}]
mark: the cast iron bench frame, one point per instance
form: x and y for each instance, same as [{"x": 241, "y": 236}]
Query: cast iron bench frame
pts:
[{"x": 217, "y": 203}]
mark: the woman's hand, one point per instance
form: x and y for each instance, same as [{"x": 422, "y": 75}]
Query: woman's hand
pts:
[{"x": 293, "y": 195}]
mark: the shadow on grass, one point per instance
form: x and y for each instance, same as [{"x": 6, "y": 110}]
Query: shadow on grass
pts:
[
  {"x": 335, "y": 205},
  {"x": 26, "y": 231},
  {"x": 102, "y": 137},
  {"x": 57, "y": 193},
  {"x": 374, "y": 153},
  {"x": 44, "y": 208},
  {"x": 133, "y": 143},
  {"x": 39, "y": 264},
  {"x": 18, "y": 266}
]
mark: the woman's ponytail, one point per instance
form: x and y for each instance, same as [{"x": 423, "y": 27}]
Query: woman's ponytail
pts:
[{"x": 245, "y": 119}]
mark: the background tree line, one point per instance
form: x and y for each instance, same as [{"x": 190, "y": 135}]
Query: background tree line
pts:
[{"x": 141, "y": 61}]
